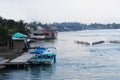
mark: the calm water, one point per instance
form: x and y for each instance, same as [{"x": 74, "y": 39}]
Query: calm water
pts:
[{"x": 75, "y": 61}]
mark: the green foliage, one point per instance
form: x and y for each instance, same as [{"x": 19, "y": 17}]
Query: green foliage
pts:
[
  {"x": 75, "y": 26},
  {"x": 8, "y": 27},
  {"x": 4, "y": 34}
]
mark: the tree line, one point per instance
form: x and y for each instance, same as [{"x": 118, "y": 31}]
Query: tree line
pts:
[
  {"x": 75, "y": 26},
  {"x": 9, "y": 27}
]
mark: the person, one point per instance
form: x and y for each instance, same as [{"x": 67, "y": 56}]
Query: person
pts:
[{"x": 25, "y": 49}]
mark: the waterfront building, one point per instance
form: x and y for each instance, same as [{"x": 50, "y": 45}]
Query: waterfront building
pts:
[
  {"x": 43, "y": 33},
  {"x": 19, "y": 42}
]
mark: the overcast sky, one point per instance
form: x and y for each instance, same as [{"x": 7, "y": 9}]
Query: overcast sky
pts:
[{"x": 49, "y": 11}]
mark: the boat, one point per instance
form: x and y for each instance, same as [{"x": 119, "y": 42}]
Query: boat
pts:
[{"x": 43, "y": 56}]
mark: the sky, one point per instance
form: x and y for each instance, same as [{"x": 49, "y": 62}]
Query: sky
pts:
[{"x": 49, "y": 11}]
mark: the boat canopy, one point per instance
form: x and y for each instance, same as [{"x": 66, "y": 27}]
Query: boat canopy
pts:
[
  {"x": 51, "y": 47},
  {"x": 41, "y": 50}
]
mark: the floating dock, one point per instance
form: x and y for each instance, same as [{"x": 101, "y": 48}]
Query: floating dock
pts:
[
  {"x": 115, "y": 41},
  {"x": 97, "y": 42},
  {"x": 88, "y": 43},
  {"x": 82, "y": 42}
]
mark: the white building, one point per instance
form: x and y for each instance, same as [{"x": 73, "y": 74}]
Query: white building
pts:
[{"x": 38, "y": 33}]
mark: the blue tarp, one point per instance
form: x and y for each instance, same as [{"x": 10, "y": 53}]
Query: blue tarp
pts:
[{"x": 39, "y": 50}]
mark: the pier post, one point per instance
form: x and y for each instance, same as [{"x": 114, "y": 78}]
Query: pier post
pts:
[
  {"x": 54, "y": 59},
  {"x": 26, "y": 66},
  {"x": 18, "y": 65}
]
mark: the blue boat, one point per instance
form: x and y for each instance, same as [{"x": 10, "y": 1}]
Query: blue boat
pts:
[{"x": 43, "y": 56}]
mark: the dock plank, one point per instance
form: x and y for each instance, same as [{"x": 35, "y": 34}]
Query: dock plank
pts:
[
  {"x": 4, "y": 61},
  {"x": 23, "y": 58}
]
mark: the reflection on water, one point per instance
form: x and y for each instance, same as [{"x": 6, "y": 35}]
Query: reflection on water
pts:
[
  {"x": 75, "y": 61},
  {"x": 41, "y": 72}
]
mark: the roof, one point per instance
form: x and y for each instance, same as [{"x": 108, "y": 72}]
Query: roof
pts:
[
  {"x": 45, "y": 30},
  {"x": 18, "y": 35}
]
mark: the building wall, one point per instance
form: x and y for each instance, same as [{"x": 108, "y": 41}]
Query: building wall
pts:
[{"x": 18, "y": 45}]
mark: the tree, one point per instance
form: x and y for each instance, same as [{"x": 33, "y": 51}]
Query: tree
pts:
[{"x": 4, "y": 34}]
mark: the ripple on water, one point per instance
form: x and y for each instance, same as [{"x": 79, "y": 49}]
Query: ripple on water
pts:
[{"x": 74, "y": 61}]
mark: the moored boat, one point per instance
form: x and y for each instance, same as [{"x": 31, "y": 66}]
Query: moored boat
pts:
[{"x": 43, "y": 56}]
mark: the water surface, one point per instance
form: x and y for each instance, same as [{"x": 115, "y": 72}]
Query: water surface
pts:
[{"x": 76, "y": 61}]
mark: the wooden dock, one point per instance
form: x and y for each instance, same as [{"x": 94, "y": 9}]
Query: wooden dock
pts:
[
  {"x": 19, "y": 61},
  {"x": 23, "y": 58}
]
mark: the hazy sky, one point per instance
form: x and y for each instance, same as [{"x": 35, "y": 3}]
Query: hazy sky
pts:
[{"x": 48, "y": 11}]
